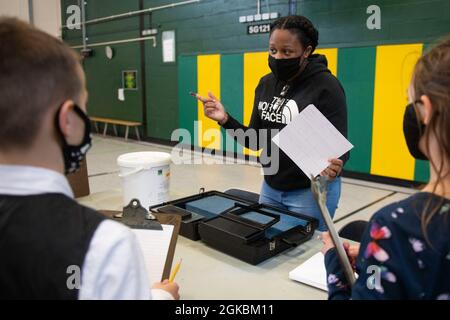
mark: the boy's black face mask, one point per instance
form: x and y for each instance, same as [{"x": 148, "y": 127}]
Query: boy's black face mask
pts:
[
  {"x": 413, "y": 131},
  {"x": 74, "y": 155}
]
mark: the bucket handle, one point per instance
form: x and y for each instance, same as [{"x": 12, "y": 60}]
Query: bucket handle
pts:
[{"x": 138, "y": 169}]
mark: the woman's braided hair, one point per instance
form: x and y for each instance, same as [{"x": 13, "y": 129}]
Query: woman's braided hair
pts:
[{"x": 304, "y": 29}]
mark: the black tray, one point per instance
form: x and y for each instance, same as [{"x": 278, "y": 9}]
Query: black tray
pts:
[
  {"x": 254, "y": 242},
  {"x": 190, "y": 218},
  {"x": 248, "y": 231}
]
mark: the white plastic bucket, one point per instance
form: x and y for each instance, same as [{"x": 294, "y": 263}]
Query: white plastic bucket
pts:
[{"x": 145, "y": 176}]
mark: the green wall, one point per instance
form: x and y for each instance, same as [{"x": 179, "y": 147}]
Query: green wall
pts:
[
  {"x": 212, "y": 26},
  {"x": 359, "y": 102}
]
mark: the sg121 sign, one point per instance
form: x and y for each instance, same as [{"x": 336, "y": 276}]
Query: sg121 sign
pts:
[{"x": 258, "y": 28}]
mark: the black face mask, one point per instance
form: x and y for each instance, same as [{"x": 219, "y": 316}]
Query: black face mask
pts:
[
  {"x": 413, "y": 130},
  {"x": 74, "y": 155},
  {"x": 285, "y": 69}
]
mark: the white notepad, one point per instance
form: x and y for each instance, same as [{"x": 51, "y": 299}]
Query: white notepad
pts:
[
  {"x": 312, "y": 272},
  {"x": 310, "y": 139},
  {"x": 155, "y": 247}
]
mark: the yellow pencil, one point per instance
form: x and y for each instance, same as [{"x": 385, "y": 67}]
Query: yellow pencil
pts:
[{"x": 175, "y": 271}]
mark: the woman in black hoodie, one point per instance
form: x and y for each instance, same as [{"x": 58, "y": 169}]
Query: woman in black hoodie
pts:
[{"x": 298, "y": 79}]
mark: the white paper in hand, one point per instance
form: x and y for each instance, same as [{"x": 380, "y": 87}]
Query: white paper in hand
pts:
[{"x": 310, "y": 140}]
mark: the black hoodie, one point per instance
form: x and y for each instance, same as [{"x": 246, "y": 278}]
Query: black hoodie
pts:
[{"x": 315, "y": 85}]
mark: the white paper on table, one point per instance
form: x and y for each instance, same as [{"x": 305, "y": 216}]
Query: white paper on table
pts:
[
  {"x": 310, "y": 140},
  {"x": 155, "y": 247},
  {"x": 311, "y": 272},
  {"x": 121, "y": 94}
]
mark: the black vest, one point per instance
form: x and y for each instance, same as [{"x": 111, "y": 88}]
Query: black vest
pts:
[{"x": 41, "y": 236}]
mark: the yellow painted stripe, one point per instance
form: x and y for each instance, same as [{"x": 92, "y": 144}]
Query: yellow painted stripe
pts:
[
  {"x": 332, "y": 57},
  {"x": 255, "y": 67},
  {"x": 208, "y": 79},
  {"x": 394, "y": 66}
]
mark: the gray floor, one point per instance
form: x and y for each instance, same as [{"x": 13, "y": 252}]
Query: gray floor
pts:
[
  {"x": 359, "y": 200},
  {"x": 207, "y": 273}
]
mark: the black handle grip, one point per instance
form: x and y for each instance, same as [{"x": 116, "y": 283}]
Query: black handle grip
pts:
[{"x": 296, "y": 238}]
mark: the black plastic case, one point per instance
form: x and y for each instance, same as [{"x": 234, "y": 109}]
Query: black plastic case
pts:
[
  {"x": 189, "y": 219},
  {"x": 248, "y": 231}
]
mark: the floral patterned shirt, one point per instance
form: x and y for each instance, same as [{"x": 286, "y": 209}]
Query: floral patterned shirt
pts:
[{"x": 396, "y": 259}]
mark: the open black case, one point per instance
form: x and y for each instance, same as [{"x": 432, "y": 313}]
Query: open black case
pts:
[{"x": 246, "y": 230}]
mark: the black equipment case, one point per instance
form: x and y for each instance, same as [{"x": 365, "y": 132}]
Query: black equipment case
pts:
[
  {"x": 192, "y": 216},
  {"x": 246, "y": 230}
]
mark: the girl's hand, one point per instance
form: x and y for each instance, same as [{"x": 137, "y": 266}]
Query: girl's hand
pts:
[
  {"x": 327, "y": 242},
  {"x": 352, "y": 253},
  {"x": 351, "y": 249},
  {"x": 212, "y": 108},
  {"x": 334, "y": 169}
]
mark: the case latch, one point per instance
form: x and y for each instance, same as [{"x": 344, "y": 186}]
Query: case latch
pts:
[{"x": 272, "y": 245}]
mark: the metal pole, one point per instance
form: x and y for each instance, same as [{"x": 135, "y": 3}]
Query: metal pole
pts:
[
  {"x": 292, "y": 7},
  {"x": 98, "y": 44},
  {"x": 133, "y": 13},
  {"x": 143, "y": 74},
  {"x": 30, "y": 12},
  {"x": 258, "y": 6},
  {"x": 83, "y": 22},
  {"x": 319, "y": 191}
]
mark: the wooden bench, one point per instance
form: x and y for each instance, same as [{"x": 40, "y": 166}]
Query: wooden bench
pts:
[{"x": 116, "y": 122}]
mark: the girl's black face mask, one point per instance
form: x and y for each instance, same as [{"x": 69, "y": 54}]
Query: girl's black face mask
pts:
[
  {"x": 413, "y": 131},
  {"x": 285, "y": 69},
  {"x": 74, "y": 155}
]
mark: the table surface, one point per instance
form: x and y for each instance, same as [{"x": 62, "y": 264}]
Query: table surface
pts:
[{"x": 210, "y": 274}]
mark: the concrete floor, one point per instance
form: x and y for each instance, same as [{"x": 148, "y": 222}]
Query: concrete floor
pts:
[
  {"x": 359, "y": 200},
  {"x": 201, "y": 264}
]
